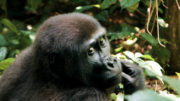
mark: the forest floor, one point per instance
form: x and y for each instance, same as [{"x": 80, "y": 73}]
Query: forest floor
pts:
[{"x": 158, "y": 85}]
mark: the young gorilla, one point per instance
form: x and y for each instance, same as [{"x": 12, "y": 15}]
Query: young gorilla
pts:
[{"x": 69, "y": 61}]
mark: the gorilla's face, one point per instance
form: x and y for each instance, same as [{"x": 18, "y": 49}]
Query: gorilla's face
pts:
[{"x": 100, "y": 68}]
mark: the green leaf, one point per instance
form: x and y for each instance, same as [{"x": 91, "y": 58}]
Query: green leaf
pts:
[
  {"x": 149, "y": 38},
  {"x": 128, "y": 3},
  {"x": 178, "y": 74},
  {"x": 113, "y": 96},
  {"x": 14, "y": 41},
  {"x": 33, "y": 4},
  {"x": 146, "y": 95},
  {"x": 120, "y": 56},
  {"x": 83, "y": 8},
  {"x": 103, "y": 16},
  {"x": 154, "y": 67},
  {"x": 3, "y": 41},
  {"x": 133, "y": 7},
  {"x": 138, "y": 54},
  {"x": 9, "y": 24},
  {"x": 27, "y": 32},
  {"x": 147, "y": 57},
  {"x": 130, "y": 42},
  {"x": 174, "y": 83},
  {"x": 118, "y": 49},
  {"x": 150, "y": 73},
  {"x": 121, "y": 86},
  {"x": 107, "y": 3},
  {"x": 3, "y": 53},
  {"x": 130, "y": 55},
  {"x": 5, "y": 64}
]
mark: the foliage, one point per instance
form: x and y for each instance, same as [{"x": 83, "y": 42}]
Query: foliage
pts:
[
  {"x": 125, "y": 23},
  {"x": 5, "y": 64},
  {"x": 3, "y": 53},
  {"x": 13, "y": 39},
  {"x": 152, "y": 69},
  {"x": 127, "y": 3},
  {"x": 147, "y": 95},
  {"x": 178, "y": 74}
]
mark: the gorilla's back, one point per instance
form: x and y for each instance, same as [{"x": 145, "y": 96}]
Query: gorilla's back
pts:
[{"x": 12, "y": 76}]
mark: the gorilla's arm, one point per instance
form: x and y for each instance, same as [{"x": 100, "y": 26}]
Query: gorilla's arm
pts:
[
  {"x": 132, "y": 77},
  {"x": 87, "y": 94}
]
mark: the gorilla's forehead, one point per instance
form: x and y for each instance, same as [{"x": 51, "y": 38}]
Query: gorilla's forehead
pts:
[{"x": 74, "y": 24}]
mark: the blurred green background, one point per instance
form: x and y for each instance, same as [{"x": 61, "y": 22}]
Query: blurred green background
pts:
[{"x": 143, "y": 31}]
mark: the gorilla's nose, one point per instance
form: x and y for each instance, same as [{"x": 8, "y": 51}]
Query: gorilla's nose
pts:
[{"x": 112, "y": 64}]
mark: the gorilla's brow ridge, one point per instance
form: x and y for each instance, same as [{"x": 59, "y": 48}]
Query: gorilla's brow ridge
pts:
[{"x": 96, "y": 35}]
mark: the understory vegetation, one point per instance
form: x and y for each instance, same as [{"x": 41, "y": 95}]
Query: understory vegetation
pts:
[{"x": 135, "y": 29}]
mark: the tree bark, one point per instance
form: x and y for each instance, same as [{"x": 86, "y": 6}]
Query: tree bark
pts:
[{"x": 173, "y": 35}]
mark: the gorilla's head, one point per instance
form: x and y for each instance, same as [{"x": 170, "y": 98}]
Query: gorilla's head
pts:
[{"x": 73, "y": 48}]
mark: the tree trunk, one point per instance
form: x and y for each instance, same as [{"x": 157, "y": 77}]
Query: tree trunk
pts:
[{"x": 173, "y": 35}]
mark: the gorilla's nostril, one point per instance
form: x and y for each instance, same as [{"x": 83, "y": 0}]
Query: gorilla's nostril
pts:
[
  {"x": 110, "y": 64},
  {"x": 115, "y": 60}
]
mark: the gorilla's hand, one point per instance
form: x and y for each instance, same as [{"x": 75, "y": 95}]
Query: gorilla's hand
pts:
[{"x": 132, "y": 77}]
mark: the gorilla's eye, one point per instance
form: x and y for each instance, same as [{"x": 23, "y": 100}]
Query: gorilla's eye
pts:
[
  {"x": 91, "y": 51},
  {"x": 102, "y": 42},
  {"x": 104, "y": 36}
]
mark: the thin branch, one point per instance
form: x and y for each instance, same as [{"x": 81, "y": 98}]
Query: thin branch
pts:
[
  {"x": 155, "y": 85},
  {"x": 150, "y": 13},
  {"x": 164, "y": 4},
  {"x": 178, "y": 4},
  {"x": 149, "y": 17},
  {"x": 154, "y": 5},
  {"x": 157, "y": 16}
]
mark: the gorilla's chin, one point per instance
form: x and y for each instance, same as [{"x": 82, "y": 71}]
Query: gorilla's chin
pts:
[{"x": 112, "y": 81}]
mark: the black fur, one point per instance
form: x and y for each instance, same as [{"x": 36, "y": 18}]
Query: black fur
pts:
[{"x": 56, "y": 67}]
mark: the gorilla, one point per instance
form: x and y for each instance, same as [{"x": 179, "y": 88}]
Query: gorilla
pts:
[{"x": 69, "y": 60}]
